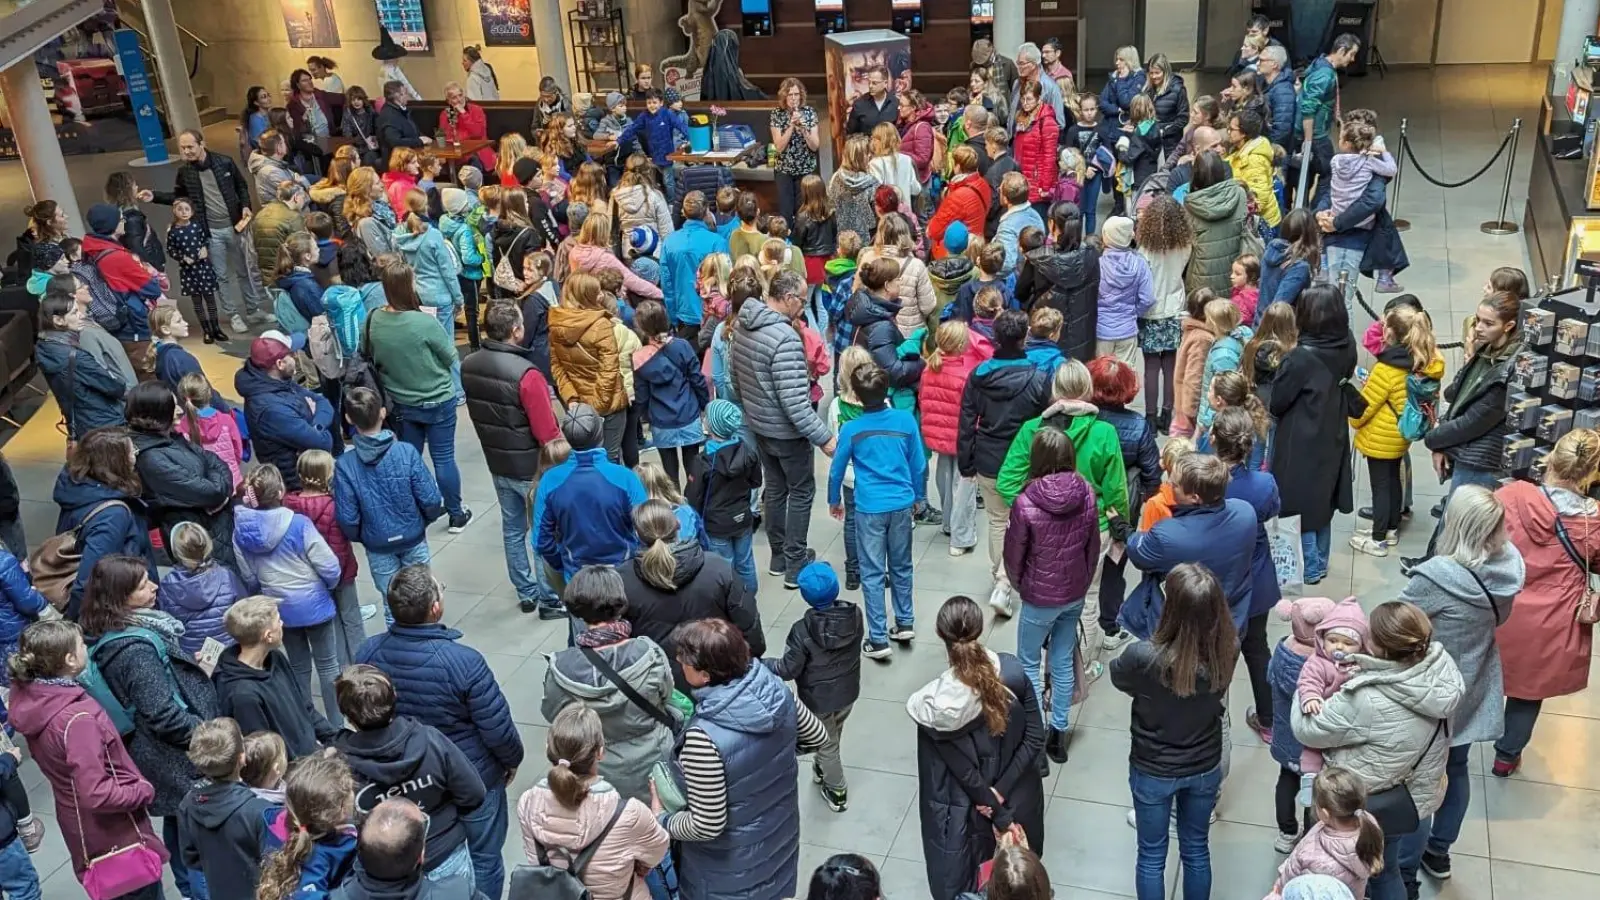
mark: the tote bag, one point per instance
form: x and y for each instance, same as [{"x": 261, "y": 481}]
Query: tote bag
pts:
[{"x": 1288, "y": 557}]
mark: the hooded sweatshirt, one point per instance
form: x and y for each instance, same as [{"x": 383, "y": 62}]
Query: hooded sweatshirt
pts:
[
  {"x": 1323, "y": 675},
  {"x": 1126, "y": 293},
  {"x": 409, "y": 760},
  {"x": 853, "y": 210},
  {"x": 437, "y": 271},
  {"x": 199, "y": 598},
  {"x": 822, "y": 656},
  {"x": 639, "y": 204},
  {"x": 280, "y": 552},
  {"x": 220, "y": 832},
  {"x": 270, "y": 698}
]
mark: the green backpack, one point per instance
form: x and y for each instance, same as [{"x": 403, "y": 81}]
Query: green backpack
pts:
[{"x": 94, "y": 681}]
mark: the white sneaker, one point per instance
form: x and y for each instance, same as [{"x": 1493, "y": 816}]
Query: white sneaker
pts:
[
  {"x": 368, "y": 610},
  {"x": 259, "y": 317},
  {"x": 239, "y": 325},
  {"x": 1392, "y": 539},
  {"x": 1363, "y": 543},
  {"x": 1111, "y": 643},
  {"x": 1285, "y": 842},
  {"x": 1000, "y": 599}
]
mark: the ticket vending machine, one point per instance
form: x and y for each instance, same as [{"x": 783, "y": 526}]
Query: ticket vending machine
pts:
[
  {"x": 830, "y": 17},
  {"x": 907, "y": 16},
  {"x": 983, "y": 20},
  {"x": 757, "y": 15}
]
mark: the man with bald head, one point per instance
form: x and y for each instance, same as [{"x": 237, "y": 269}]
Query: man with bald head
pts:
[
  {"x": 1204, "y": 138},
  {"x": 389, "y": 855}
]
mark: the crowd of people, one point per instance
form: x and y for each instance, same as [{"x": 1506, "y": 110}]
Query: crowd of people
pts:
[{"x": 941, "y": 318}]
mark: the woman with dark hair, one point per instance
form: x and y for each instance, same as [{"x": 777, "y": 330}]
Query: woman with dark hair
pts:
[
  {"x": 1064, "y": 275},
  {"x": 845, "y": 876},
  {"x": 1217, "y": 206},
  {"x": 1245, "y": 91},
  {"x": 98, "y": 491},
  {"x": 88, "y": 393},
  {"x": 182, "y": 481},
  {"x": 1171, "y": 98},
  {"x": 253, "y": 117},
  {"x": 980, "y": 761},
  {"x": 1178, "y": 680},
  {"x": 1311, "y": 401},
  {"x": 313, "y": 112},
  {"x": 1166, "y": 242},
  {"x": 739, "y": 832},
  {"x": 158, "y": 686}
]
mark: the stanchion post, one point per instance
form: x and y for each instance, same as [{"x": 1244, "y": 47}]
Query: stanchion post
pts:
[
  {"x": 1502, "y": 225},
  {"x": 1399, "y": 170}
]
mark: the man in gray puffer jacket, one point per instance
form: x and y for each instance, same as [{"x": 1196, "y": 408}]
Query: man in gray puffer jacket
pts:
[{"x": 774, "y": 388}]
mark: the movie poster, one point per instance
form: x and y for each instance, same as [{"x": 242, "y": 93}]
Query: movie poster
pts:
[
  {"x": 506, "y": 23},
  {"x": 310, "y": 23}
]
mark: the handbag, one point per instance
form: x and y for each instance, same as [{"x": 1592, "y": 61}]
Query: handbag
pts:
[
  {"x": 120, "y": 870},
  {"x": 664, "y": 773},
  {"x": 1288, "y": 553},
  {"x": 1394, "y": 808},
  {"x": 54, "y": 566},
  {"x": 1588, "y": 611}
]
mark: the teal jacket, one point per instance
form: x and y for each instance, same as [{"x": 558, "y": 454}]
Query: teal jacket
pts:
[
  {"x": 1319, "y": 93},
  {"x": 435, "y": 267},
  {"x": 467, "y": 244}
]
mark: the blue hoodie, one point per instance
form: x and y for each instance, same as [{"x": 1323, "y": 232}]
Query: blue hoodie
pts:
[
  {"x": 583, "y": 512},
  {"x": 436, "y": 270},
  {"x": 1280, "y": 282},
  {"x": 669, "y": 387},
  {"x": 383, "y": 496},
  {"x": 885, "y": 447},
  {"x": 655, "y": 132},
  {"x": 1044, "y": 354},
  {"x": 681, "y": 255},
  {"x": 1126, "y": 293},
  {"x": 282, "y": 555}
]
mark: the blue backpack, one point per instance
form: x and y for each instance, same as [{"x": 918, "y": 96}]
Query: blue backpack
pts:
[
  {"x": 94, "y": 681},
  {"x": 1421, "y": 411}
]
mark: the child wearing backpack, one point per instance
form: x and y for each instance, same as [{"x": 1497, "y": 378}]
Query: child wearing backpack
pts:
[
  {"x": 198, "y": 590},
  {"x": 669, "y": 389},
  {"x": 205, "y": 424},
  {"x": 314, "y": 500},
  {"x": 309, "y": 846},
  {"x": 720, "y": 485},
  {"x": 1226, "y": 353},
  {"x": 1400, "y": 394}
]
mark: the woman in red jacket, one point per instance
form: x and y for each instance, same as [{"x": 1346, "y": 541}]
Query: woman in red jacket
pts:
[
  {"x": 966, "y": 200},
  {"x": 101, "y": 799},
  {"x": 463, "y": 120},
  {"x": 949, "y": 364},
  {"x": 916, "y": 134},
  {"x": 1035, "y": 146}
]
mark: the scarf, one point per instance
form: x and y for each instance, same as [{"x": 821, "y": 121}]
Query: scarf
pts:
[
  {"x": 605, "y": 634},
  {"x": 163, "y": 624},
  {"x": 383, "y": 212},
  {"x": 58, "y": 682}
]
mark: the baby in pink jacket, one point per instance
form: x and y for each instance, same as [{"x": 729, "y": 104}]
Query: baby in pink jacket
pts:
[
  {"x": 1341, "y": 634},
  {"x": 1345, "y": 843}
]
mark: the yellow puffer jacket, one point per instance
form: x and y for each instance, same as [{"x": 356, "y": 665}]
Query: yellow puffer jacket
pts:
[
  {"x": 1252, "y": 164},
  {"x": 584, "y": 359},
  {"x": 1378, "y": 430}
]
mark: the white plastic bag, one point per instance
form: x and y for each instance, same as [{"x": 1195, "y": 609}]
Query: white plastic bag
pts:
[{"x": 1288, "y": 557}]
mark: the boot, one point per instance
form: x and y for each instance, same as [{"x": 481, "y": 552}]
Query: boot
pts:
[{"x": 1166, "y": 420}]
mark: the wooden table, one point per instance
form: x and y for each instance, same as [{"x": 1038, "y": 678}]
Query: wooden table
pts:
[
  {"x": 758, "y": 180},
  {"x": 453, "y": 155}
]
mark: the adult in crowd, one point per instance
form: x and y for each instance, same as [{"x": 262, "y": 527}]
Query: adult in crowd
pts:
[
  {"x": 1126, "y": 82},
  {"x": 131, "y": 285},
  {"x": 414, "y": 358},
  {"x": 1319, "y": 101},
  {"x": 482, "y": 83},
  {"x": 1467, "y": 440},
  {"x": 966, "y": 200},
  {"x": 1064, "y": 275},
  {"x": 978, "y": 122},
  {"x": 1217, "y": 205},
  {"x": 583, "y": 508},
  {"x": 916, "y": 136},
  {"x": 672, "y": 581},
  {"x": 88, "y": 392},
  {"x": 1545, "y": 650},
  {"x": 739, "y": 835},
  {"x": 1247, "y": 91},
  {"x": 607, "y": 836},
  {"x": 773, "y": 385},
  {"x": 1171, "y": 99},
  {"x": 1467, "y": 591},
  {"x": 999, "y": 70},
  {"x": 552, "y": 102},
  {"x": 98, "y": 492},
  {"x": 980, "y": 754},
  {"x": 916, "y": 299},
  {"x": 435, "y": 274},
  {"x": 1290, "y": 260},
  {"x": 285, "y": 419},
  {"x": 1311, "y": 400},
  {"x": 327, "y": 195},
  {"x": 1035, "y": 145},
  {"x": 1030, "y": 69},
  {"x": 395, "y": 127},
  {"x": 181, "y": 480},
  {"x": 584, "y": 357},
  {"x": 444, "y": 683},
  {"x": 1250, "y": 159},
  {"x": 508, "y": 401},
  {"x": 1389, "y": 725},
  {"x": 681, "y": 255},
  {"x": 1282, "y": 104},
  {"x": 794, "y": 134},
  {"x": 47, "y": 224},
  {"x": 592, "y": 253},
  {"x": 463, "y": 120},
  {"x": 367, "y": 212},
  {"x": 313, "y": 111},
  {"x": 268, "y": 165},
  {"x": 102, "y": 801},
  {"x": 1202, "y": 140},
  {"x": 214, "y": 186},
  {"x": 1257, "y": 27},
  {"x": 851, "y": 189},
  {"x": 279, "y": 217},
  {"x": 1178, "y": 678},
  {"x": 166, "y": 694},
  {"x": 389, "y": 853},
  {"x": 586, "y": 675},
  {"x": 877, "y": 105}
]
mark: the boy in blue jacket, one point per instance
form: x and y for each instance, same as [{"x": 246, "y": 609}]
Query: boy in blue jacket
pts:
[
  {"x": 1044, "y": 330},
  {"x": 583, "y": 508},
  {"x": 655, "y": 129},
  {"x": 885, "y": 447}
]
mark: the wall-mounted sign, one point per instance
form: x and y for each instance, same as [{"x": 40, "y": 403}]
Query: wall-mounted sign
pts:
[
  {"x": 404, "y": 21},
  {"x": 506, "y": 23},
  {"x": 310, "y": 23},
  {"x": 141, "y": 97}
]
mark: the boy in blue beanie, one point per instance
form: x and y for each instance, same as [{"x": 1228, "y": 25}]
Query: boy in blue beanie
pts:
[
  {"x": 820, "y": 658},
  {"x": 721, "y": 481}
]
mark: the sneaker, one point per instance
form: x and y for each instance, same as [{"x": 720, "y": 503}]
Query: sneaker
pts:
[
  {"x": 901, "y": 633},
  {"x": 1302, "y": 797},
  {"x": 1436, "y": 864},
  {"x": 837, "y": 800},
  {"x": 1285, "y": 842},
  {"x": 1392, "y": 539},
  {"x": 875, "y": 651},
  {"x": 239, "y": 324},
  {"x": 528, "y": 606},
  {"x": 258, "y": 317},
  {"x": 960, "y": 551},
  {"x": 31, "y": 830},
  {"x": 777, "y": 568},
  {"x": 1437, "y": 510},
  {"x": 1000, "y": 599},
  {"x": 1505, "y": 768},
  {"x": 1092, "y": 672},
  {"x": 1407, "y": 563},
  {"x": 1111, "y": 643},
  {"x": 792, "y": 580},
  {"x": 458, "y": 523},
  {"x": 1388, "y": 286},
  {"x": 852, "y": 581},
  {"x": 1265, "y": 733},
  {"x": 1055, "y": 744},
  {"x": 1363, "y": 543},
  {"x": 816, "y": 772},
  {"x": 552, "y": 612},
  {"x": 929, "y": 516},
  {"x": 368, "y": 610}
]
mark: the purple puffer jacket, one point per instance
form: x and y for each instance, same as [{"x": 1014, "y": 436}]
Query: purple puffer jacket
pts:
[
  {"x": 199, "y": 599},
  {"x": 1053, "y": 540}
]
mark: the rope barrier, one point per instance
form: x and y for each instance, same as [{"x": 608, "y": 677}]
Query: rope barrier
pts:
[
  {"x": 1405, "y": 145},
  {"x": 1447, "y": 345}
]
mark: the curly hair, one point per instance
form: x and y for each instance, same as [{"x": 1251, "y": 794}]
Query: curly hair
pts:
[{"x": 1163, "y": 226}]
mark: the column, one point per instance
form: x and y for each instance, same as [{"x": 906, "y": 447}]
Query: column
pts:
[
  {"x": 548, "y": 36},
  {"x": 1577, "y": 22},
  {"x": 177, "y": 93},
  {"x": 35, "y": 133},
  {"x": 1009, "y": 26}
]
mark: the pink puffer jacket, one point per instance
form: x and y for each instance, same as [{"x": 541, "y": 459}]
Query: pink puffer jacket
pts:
[
  {"x": 940, "y": 397},
  {"x": 636, "y": 838},
  {"x": 1325, "y": 852}
]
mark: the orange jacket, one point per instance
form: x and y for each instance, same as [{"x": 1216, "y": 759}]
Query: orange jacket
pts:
[{"x": 1157, "y": 508}]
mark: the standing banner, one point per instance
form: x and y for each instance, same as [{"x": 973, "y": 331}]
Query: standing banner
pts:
[{"x": 141, "y": 97}]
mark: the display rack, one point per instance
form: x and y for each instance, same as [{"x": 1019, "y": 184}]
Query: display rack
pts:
[
  {"x": 600, "y": 48},
  {"x": 1554, "y": 382}
]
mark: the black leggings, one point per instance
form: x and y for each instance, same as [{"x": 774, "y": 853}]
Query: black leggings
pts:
[
  {"x": 469, "y": 293},
  {"x": 15, "y": 796},
  {"x": 1158, "y": 375},
  {"x": 631, "y": 433},
  {"x": 671, "y": 455},
  {"x": 1113, "y": 585},
  {"x": 1283, "y": 802},
  {"x": 1256, "y": 656}
]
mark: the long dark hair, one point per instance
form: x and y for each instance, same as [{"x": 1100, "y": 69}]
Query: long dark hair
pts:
[
  {"x": 1051, "y": 453},
  {"x": 960, "y": 626},
  {"x": 1068, "y": 221},
  {"x": 845, "y": 876},
  {"x": 1195, "y": 638},
  {"x": 106, "y": 455},
  {"x": 249, "y": 106},
  {"x": 150, "y": 408},
  {"x": 105, "y": 597},
  {"x": 1320, "y": 311}
]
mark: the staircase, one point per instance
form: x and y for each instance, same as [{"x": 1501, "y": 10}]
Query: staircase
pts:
[
  {"x": 26, "y": 27},
  {"x": 132, "y": 17}
]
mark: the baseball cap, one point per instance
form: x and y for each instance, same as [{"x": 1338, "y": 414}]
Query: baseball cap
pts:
[{"x": 265, "y": 351}]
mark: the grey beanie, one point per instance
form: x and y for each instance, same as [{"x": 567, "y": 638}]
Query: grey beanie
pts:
[{"x": 584, "y": 429}]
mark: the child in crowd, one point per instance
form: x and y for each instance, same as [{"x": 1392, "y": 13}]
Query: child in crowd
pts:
[
  {"x": 265, "y": 762},
  {"x": 720, "y": 486},
  {"x": 669, "y": 388},
  {"x": 659, "y": 486},
  {"x": 1361, "y": 157},
  {"x": 326, "y": 268},
  {"x": 1127, "y": 291},
  {"x": 309, "y": 847},
  {"x": 886, "y": 200},
  {"x": 169, "y": 359},
  {"x": 727, "y": 215},
  {"x": 947, "y": 368},
  {"x": 986, "y": 307},
  {"x": 189, "y": 243},
  {"x": 822, "y": 658},
  {"x": 847, "y": 408},
  {"x": 815, "y": 231},
  {"x": 1245, "y": 279},
  {"x": 1138, "y": 152},
  {"x": 1278, "y": 329},
  {"x": 1291, "y": 260},
  {"x": 1346, "y": 843},
  {"x": 1202, "y": 113},
  {"x": 538, "y": 298},
  {"x": 1115, "y": 386},
  {"x": 1160, "y": 505},
  {"x": 48, "y": 260},
  {"x": 711, "y": 283},
  {"x": 747, "y": 238},
  {"x": 817, "y": 357},
  {"x": 255, "y": 686},
  {"x": 744, "y": 284},
  {"x": 839, "y": 285},
  {"x": 1230, "y": 390},
  {"x": 1193, "y": 350},
  {"x": 1341, "y": 635},
  {"x": 1283, "y": 674},
  {"x": 315, "y": 501},
  {"x": 467, "y": 243},
  {"x": 885, "y": 447},
  {"x": 1073, "y": 174},
  {"x": 991, "y": 263},
  {"x": 204, "y": 423},
  {"x": 198, "y": 590},
  {"x": 1226, "y": 353},
  {"x": 1044, "y": 330},
  {"x": 221, "y": 821},
  {"x": 298, "y": 298}
]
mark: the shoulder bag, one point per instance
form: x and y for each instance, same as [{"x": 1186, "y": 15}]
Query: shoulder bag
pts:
[
  {"x": 120, "y": 870},
  {"x": 1588, "y": 611},
  {"x": 664, "y": 773},
  {"x": 555, "y": 883},
  {"x": 1394, "y": 808},
  {"x": 54, "y": 565}
]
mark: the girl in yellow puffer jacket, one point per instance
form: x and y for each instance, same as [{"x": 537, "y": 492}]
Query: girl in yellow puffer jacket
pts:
[
  {"x": 1251, "y": 158},
  {"x": 1408, "y": 350}
]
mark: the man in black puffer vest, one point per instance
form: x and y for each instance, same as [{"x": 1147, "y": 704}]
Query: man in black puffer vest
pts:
[{"x": 509, "y": 402}]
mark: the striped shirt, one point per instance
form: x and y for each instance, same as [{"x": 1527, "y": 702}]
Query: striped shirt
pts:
[{"x": 706, "y": 780}]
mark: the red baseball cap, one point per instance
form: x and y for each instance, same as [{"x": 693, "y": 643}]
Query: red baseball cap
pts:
[{"x": 272, "y": 346}]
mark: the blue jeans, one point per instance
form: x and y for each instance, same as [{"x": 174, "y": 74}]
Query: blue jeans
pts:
[
  {"x": 669, "y": 180},
  {"x": 1439, "y": 832},
  {"x": 19, "y": 880},
  {"x": 884, "y": 540},
  {"x": 1459, "y": 475},
  {"x": 515, "y": 507},
  {"x": 447, "y": 319},
  {"x": 486, "y": 835},
  {"x": 385, "y": 565},
  {"x": 1316, "y": 545},
  {"x": 435, "y": 424},
  {"x": 1088, "y": 202},
  {"x": 1346, "y": 261},
  {"x": 1390, "y": 884},
  {"x": 1153, "y": 799},
  {"x": 1058, "y": 626},
  {"x": 455, "y": 877},
  {"x": 190, "y": 883},
  {"x": 740, "y": 551}
]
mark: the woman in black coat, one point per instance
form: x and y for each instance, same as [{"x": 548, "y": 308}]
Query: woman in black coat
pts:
[
  {"x": 1312, "y": 399},
  {"x": 1171, "y": 99},
  {"x": 1064, "y": 274},
  {"x": 673, "y": 580},
  {"x": 183, "y": 482},
  {"x": 980, "y": 754}
]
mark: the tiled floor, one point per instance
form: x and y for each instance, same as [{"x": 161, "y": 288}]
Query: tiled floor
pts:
[{"x": 1535, "y": 835}]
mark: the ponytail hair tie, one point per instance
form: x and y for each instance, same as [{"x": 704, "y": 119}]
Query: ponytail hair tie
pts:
[{"x": 564, "y": 762}]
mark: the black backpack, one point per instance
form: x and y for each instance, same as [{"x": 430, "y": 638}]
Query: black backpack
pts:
[{"x": 547, "y": 882}]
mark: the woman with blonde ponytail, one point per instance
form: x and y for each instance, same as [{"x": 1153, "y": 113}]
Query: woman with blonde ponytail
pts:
[
  {"x": 310, "y": 845},
  {"x": 436, "y": 270},
  {"x": 978, "y": 723},
  {"x": 574, "y": 806}
]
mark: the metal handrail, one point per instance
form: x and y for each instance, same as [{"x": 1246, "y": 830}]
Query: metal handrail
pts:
[
  {"x": 194, "y": 60},
  {"x": 182, "y": 30}
]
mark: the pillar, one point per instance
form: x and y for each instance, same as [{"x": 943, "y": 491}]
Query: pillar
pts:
[
  {"x": 177, "y": 93},
  {"x": 1577, "y": 22},
  {"x": 1009, "y": 26},
  {"x": 35, "y": 134},
  {"x": 548, "y": 36}
]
